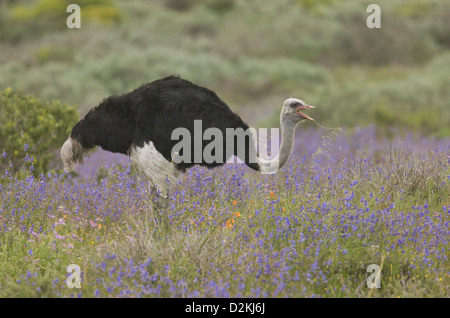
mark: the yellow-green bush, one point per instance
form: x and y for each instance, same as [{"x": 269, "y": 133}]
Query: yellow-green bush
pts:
[
  {"x": 30, "y": 127},
  {"x": 311, "y": 3},
  {"x": 101, "y": 13},
  {"x": 20, "y": 21},
  {"x": 56, "y": 9},
  {"x": 49, "y": 53}
]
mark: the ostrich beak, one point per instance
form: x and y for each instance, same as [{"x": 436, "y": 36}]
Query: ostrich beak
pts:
[{"x": 304, "y": 107}]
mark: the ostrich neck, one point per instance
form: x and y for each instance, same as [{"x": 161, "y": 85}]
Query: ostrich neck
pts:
[
  {"x": 287, "y": 142},
  {"x": 287, "y": 145}
]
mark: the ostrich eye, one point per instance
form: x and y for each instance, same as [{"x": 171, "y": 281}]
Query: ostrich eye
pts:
[{"x": 294, "y": 104}]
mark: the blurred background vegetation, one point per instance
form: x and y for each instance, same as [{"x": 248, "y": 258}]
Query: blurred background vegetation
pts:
[{"x": 253, "y": 53}]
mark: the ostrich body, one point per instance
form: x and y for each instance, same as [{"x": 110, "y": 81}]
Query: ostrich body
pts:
[{"x": 140, "y": 124}]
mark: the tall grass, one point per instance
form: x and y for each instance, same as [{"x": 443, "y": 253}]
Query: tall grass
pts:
[{"x": 310, "y": 230}]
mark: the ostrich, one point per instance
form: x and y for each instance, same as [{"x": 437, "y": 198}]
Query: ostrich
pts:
[{"x": 140, "y": 124}]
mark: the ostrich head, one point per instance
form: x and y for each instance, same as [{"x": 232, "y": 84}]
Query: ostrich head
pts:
[
  {"x": 291, "y": 111},
  {"x": 290, "y": 116}
]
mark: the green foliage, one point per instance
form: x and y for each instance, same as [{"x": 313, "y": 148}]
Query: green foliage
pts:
[
  {"x": 417, "y": 102},
  {"x": 24, "y": 21},
  {"x": 414, "y": 8},
  {"x": 400, "y": 40},
  {"x": 51, "y": 54},
  {"x": 102, "y": 13},
  {"x": 318, "y": 50},
  {"x": 312, "y": 3},
  {"x": 56, "y": 9},
  {"x": 220, "y": 6},
  {"x": 217, "y": 6},
  {"x": 439, "y": 29},
  {"x": 31, "y": 131},
  {"x": 179, "y": 5}
]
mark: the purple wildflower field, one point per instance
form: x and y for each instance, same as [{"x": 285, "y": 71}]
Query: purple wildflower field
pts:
[{"x": 343, "y": 202}]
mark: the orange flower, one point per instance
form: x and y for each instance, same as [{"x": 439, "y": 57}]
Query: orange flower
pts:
[
  {"x": 237, "y": 214},
  {"x": 284, "y": 209},
  {"x": 272, "y": 194},
  {"x": 234, "y": 202},
  {"x": 229, "y": 224}
]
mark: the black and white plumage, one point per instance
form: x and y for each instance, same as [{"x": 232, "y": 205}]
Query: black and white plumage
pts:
[{"x": 140, "y": 125}]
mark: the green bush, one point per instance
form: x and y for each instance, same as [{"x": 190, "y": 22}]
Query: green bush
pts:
[
  {"x": 400, "y": 40},
  {"x": 311, "y": 3},
  {"x": 31, "y": 131},
  {"x": 417, "y": 100},
  {"x": 220, "y": 6},
  {"x": 56, "y": 9},
  {"x": 20, "y": 21},
  {"x": 50, "y": 53}
]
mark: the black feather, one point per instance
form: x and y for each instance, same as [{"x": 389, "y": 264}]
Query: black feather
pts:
[{"x": 152, "y": 111}]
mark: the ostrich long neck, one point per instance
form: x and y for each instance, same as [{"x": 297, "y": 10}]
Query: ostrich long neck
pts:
[
  {"x": 287, "y": 145},
  {"x": 287, "y": 142}
]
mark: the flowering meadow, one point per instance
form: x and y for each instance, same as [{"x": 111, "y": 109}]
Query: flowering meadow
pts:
[{"x": 345, "y": 200}]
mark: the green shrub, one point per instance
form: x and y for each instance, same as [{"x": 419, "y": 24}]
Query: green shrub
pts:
[
  {"x": 179, "y": 5},
  {"x": 25, "y": 21},
  {"x": 220, "y": 6},
  {"x": 56, "y": 9},
  {"x": 400, "y": 40},
  {"x": 439, "y": 29},
  {"x": 417, "y": 101},
  {"x": 50, "y": 53},
  {"x": 311, "y": 3},
  {"x": 31, "y": 131}
]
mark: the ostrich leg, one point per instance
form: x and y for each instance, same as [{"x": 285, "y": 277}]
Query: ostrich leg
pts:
[{"x": 159, "y": 201}]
